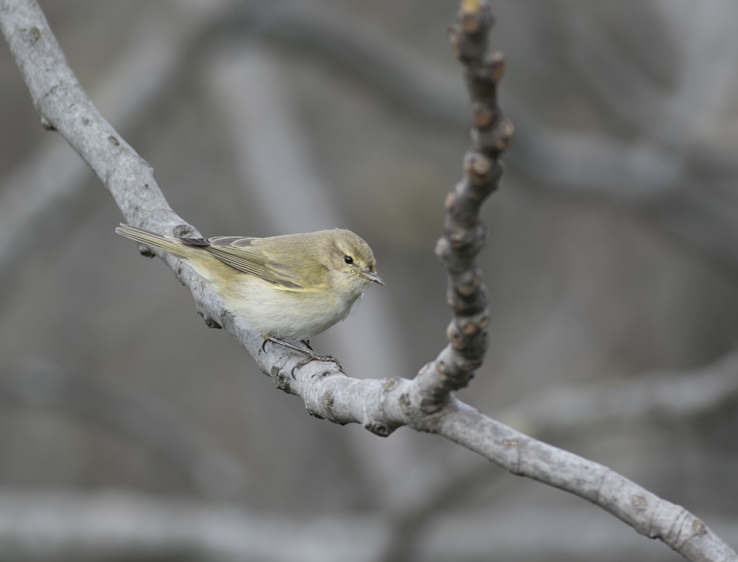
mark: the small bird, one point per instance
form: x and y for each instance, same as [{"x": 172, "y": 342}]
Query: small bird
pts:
[{"x": 289, "y": 287}]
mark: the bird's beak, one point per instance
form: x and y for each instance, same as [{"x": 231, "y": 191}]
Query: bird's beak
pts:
[{"x": 373, "y": 277}]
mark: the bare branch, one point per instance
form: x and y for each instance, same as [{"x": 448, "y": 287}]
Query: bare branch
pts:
[
  {"x": 380, "y": 405},
  {"x": 463, "y": 232},
  {"x": 645, "y": 512},
  {"x": 44, "y": 194}
]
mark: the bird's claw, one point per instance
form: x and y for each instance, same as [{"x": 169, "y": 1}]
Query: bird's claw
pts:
[{"x": 309, "y": 353}]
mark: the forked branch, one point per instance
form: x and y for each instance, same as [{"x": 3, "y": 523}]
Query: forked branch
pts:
[{"x": 381, "y": 405}]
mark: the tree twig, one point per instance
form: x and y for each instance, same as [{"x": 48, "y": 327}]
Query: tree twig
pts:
[
  {"x": 380, "y": 405},
  {"x": 464, "y": 233}
]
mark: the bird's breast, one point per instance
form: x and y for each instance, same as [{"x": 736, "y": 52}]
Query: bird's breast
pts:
[{"x": 289, "y": 314}]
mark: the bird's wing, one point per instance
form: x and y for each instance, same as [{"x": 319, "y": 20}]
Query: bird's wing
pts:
[{"x": 245, "y": 255}]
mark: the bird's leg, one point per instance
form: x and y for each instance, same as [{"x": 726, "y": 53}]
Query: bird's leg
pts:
[
  {"x": 306, "y": 343},
  {"x": 309, "y": 353}
]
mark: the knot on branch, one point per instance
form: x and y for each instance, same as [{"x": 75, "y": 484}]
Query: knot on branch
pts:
[
  {"x": 483, "y": 74},
  {"x": 468, "y": 36},
  {"x": 282, "y": 379},
  {"x": 183, "y": 231},
  {"x": 449, "y": 372},
  {"x": 145, "y": 251},
  {"x": 210, "y": 322},
  {"x": 478, "y": 168},
  {"x": 466, "y": 241},
  {"x": 468, "y": 283},
  {"x": 35, "y": 34},
  {"x": 483, "y": 116},
  {"x": 467, "y": 295},
  {"x": 454, "y": 369},
  {"x": 492, "y": 66},
  {"x": 495, "y": 140},
  {"x": 379, "y": 429},
  {"x": 467, "y": 332}
]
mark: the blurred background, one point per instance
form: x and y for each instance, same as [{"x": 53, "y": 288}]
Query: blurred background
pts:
[{"x": 131, "y": 431}]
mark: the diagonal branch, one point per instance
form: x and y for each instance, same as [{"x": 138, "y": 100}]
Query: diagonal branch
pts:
[
  {"x": 42, "y": 196},
  {"x": 380, "y": 405}
]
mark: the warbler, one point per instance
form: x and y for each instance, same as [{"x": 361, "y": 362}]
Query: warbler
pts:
[{"x": 289, "y": 287}]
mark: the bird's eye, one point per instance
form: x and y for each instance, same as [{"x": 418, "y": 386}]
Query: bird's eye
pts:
[{"x": 348, "y": 259}]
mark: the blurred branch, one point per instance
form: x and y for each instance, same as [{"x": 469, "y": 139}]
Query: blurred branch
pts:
[
  {"x": 336, "y": 36},
  {"x": 403, "y": 543},
  {"x": 380, "y": 405},
  {"x": 592, "y": 163},
  {"x": 673, "y": 117},
  {"x": 113, "y": 526},
  {"x": 584, "y": 161},
  {"x": 618, "y": 80},
  {"x": 146, "y": 422},
  {"x": 674, "y": 188},
  {"x": 656, "y": 395}
]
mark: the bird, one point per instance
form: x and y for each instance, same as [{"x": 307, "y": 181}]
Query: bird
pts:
[{"x": 289, "y": 287}]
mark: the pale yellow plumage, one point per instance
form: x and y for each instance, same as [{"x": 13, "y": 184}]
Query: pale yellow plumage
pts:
[{"x": 292, "y": 287}]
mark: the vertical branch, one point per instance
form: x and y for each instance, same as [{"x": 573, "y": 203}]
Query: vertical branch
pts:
[{"x": 464, "y": 234}]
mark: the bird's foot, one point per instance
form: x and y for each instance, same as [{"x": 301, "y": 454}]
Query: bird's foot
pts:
[{"x": 310, "y": 355}]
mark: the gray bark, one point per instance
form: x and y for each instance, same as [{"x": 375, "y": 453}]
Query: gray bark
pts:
[{"x": 379, "y": 405}]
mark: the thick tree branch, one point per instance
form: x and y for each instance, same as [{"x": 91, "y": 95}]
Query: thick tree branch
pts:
[{"x": 380, "y": 405}]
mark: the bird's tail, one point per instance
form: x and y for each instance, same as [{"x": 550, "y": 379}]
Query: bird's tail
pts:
[{"x": 168, "y": 243}]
